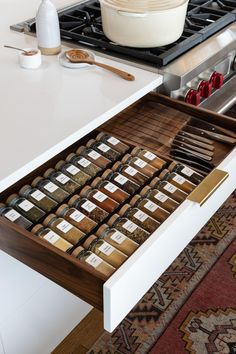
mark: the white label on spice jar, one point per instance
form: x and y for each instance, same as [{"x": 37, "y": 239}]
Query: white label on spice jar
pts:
[
  {"x": 89, "y": 206},
  {"x": 93, "y": 260},
  {"x": 100, "y": 196},
  {"x": 77, "y": 216},
  {"x": 149, "y": 155},
  {"x": 73, "y": 170},
  {"x": 170, "y": 188},
  {"x": 140, "y": 215},
  {"x": 151, "y": 206},
  {"x": 64, "y": 226},
  {"x": 26, "y": 205},
  {"x": 161, "y": 197},
  {"x": 187, "y": 171},
  {"x": 103, "y": 147},
  {"x": 179, "y": 179},
  {"x": 129, "y": 226},
  {"x": 37, "y": 195},
  {"x": 84, "y": 162},
  {"x": 50, "y": 187},
  {"x": 118, "y": 237},
  {"x": 121, "y": 179},
  {"x": 110, "y": 187},
  {"x": 140, "y": 163},
  {"x": 106, "y": 248},
  {"x": 113, "y": 140},
  {"x": 63, "y": 179},
  {"x": 51, "y": 237},
  {"x": 131, "y": 171},
  {"x": 12, "y": 215},
  {"x": 94, "y": 155}
]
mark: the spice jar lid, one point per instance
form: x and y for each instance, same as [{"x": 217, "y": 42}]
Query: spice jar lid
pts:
[
  {"x": 48, "y": 172},
  {"x": 116, "y": 166},
  {"x": 89, "y": 240},
  {"x": 96, "y": 181},
  {"x": 90, "y": 142},
  {"x": 154, "y": 182},
  {"x": 84, "y": 192},
  {"x": 100, "y": 136},
  {"x": 124, "y": 209},
  {"x": 145, "y": 190},
  {"x": 80, "y": 150},
  {"x": 163, "y": 174},
  {"x": 172, "y": 165},
  {"x": 59, "y": 164},
  {"x": 102, "y": 229},
  {"x": 60, "y": 211},
  {"x": 37, "y": 228},
  {"x": 73, "y": 199},
  {"x": 11, "y": 198},
  {"x": 48, "y": 219},
  {"x": 135, "y": 150},
  {"x": 135, "y": 199},
  {"x": 126, "y": 158},
  {"x": 113, "y": 219},
  {"x": 2, "y": 207},
  {"x": 36, "y": 181},
  {"x": 106, "y": 173},
  {"x": 70, "y": 156},
  {"x": 24, "y": 190},
  {"x": 77, "y": 251}
]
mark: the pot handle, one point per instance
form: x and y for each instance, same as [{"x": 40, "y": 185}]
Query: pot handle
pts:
[{"x": 131, "y": 14}]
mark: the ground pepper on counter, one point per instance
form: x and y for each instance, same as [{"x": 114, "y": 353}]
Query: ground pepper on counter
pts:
[
  {"x": 159, "y": 198},
  {"x": 94, "y": 157},
  {"x": 103, "y": 149},
  {"x": 38, "y": 198},
  {"x": 93, "y": 261},
  {"x": 73, "y": 172},
  {"x": 152, "y": 209},
  {"x": 25, "y": 207},
  {"x": 127, "y": 227},
  {"x": 149, "y": 157},
  {"x": 110, "y": 189},
  {"x": 61, "y": 180},
  {"x": 169, "y": 189},
  {"x": 140, "y": 165},
  {"x": 63, "y": 228},
  {"x": 105, "y": 251},
  {"x": 130, "y": 172},
  {"x": 88, "y": 208},
  {"x": 113, "y": 142},
  {"x": 99, "y": 198},
  {"x": 178, "y": 181},
  {"x": 50, "y": 189},
  {"x": 186, "y": 172},
  {"x": 84, "y": 164},
  {"x": 76, "y": 218},
  {"x": 51, "y": 237},
  {"x": 15, "y": 217},
  {"x": 121, "y": 181}
]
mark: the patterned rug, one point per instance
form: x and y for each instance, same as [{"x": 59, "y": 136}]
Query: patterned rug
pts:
[{"x": 192, "y": 306}]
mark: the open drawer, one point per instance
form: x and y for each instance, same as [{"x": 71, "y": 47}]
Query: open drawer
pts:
[{"x": 119, "y": 294}]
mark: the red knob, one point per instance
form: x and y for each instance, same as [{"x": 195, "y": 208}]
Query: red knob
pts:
[
  {"x": 217, "y": 80},
  {"x": 193, "y": 97},
  {"x": 205, "y": 88}
]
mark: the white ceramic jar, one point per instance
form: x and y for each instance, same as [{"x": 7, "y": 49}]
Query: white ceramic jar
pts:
[{"x": 30, "y": 61}]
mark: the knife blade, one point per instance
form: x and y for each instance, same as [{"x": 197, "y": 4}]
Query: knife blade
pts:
[
  {"x": 193, "y": 147},
  {"x": 195, "y": 142},
  {"x": 206, "y": 133},
  {"x": 198, "y": 154}
]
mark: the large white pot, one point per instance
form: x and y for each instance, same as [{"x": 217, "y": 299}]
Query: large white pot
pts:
[{"x": 143, "y": 29}]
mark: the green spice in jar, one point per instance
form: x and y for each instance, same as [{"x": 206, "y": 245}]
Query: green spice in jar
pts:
[
  {"x": 63, "y": 228},
  {"x": 88, "y": 208},
  {"x": 110, "y": 189},
  {"x": 130, "y": 172},
  {"x": 93, "y": 261},
  {"x": 117, "y": 239},
  {"x": 168, "y": 189},
  {"x": 76, "y": 218},
  {"x": 61, "y": 180},
  {"x": 13, "y": 215},
  {"x": 105, "y": 251},
  {"x": 50, "y": 189},
  {"x": 186, "y": 172},
  {"x": 159, "y": 198},
  {"x": 38, "y": 198},
  {"x": 121, "y": 181},
  {"x": 84, "y": 164},
  {"x": 51, "y": 237},
  {"x": 127, "y": 227},
  {"x": 103, "y": 149},
  {"x": 113, "y": 142},
  {"x": 178, "y": 181},
  {"x": 152, "y": 209},
  {"x": 94, "y": 157},
  {"x": 99, "y": 198},
  {"x": 140, "y": 165},
  {"x": 73, "y": 172},
  {"x": 149, "y": 157},
  {"x": 140, "y": 218},
  {"x": 25, "y": 207}
]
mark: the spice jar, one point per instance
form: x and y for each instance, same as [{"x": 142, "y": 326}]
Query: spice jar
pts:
[
  {"x": 63, "y": 228},
  {"x": 113, "y": 142},
  {"x": 38, "y": 198},
  {"x": 149, "y": 157},
  {"x": 159, "y": 198},
  {"x": 50, "y": 189},
  {"x": 186, "y": 172},
  {"x": 84, "y": 164},
  {"x": 121, "y": 181},
  {"x": 130, "y": 172},
  {"x": 152, "y": 209},
  {"x": 73, "y": 172},
  {"x": 93, "y": 261},
  {"x": 117, "y": 239},
  {"x": 51, "y": 237},
  {"x": 61, "y": 180},
  {"x": 99, "y": 198},
  {"x": 168, "y": 189},
  {"x": 140, "y": 218},
  {"x": 127, "y": 227},
  {"x": 110, "y": 189},
  {"x": 105, "y": 251},
  {"x": 103, "y": 149},
  {"x": 25, "y": 207},
  {"x": 93, "y": 156},
  {"x": 76, "y": 218},
  {"x": 13, "y": 215},
  {"x": 178, "y": 181},
  {"x": 140, "y": 165},
  {"x": 88, "y": 208}
]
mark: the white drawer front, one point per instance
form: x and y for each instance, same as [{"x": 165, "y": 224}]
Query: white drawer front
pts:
[{"x": 131, "y": 281}]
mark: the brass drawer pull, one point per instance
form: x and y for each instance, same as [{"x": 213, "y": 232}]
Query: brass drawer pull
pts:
[{"x": 208, "y": 186}]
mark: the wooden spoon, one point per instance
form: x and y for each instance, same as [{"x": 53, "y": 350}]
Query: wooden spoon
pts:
[{"x": 81, "y": 56}]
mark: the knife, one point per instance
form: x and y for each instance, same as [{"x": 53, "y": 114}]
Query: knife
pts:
[
  {"x": 195, "y": 142},
  {"x": 197, "y": 167},
  {"x": 192, "y": 147},
  {"x": 196, "y": 137},
  {"x": 195, "y": 122},
  {"x": 206, "y": 133},
  {"x": 192, "y": 158},
  {"x": 198, "y": 154}
]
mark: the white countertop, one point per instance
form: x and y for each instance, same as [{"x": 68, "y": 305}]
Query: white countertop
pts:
[{"x": 45, "y": 110}]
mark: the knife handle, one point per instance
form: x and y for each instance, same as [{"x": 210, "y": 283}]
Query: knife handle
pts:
[
  {"x": 198, "y": 154},
  {"x": 196, "y": 137},
  {"x": 195, "y": 142},
  {"x": 192, "y": 147},
  {"x": 220, "y": 137}
]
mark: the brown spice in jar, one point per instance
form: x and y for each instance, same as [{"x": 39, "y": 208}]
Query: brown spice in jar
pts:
[
  {"x": 186, "y": 172},
  {"x": 25, "y": 207},
  {"x": 113, "y": 142},
  {"x": 88, "y": 208},
  {"x": 110, "y": 189},
  {"x": 121, "y": 181},
  {"x": 94, "y": 157},
  {"x": 99, "y": 198},
  {"x": 38, "y": 198},
  {"x": 50, "y": 189},
  {"x": 103, "y": 149},
  {"x": 51, "y": 237},
  {"x": 140, "y": 165},
  {"x": 73, "y": 172},
  {"x": 169, "y": 189},
  {"x": 178, "y": 181},
  {"x": 152, "y": 209},
  {"x": 149, "y": 157},
  {"x": 84, "y": 164},
  {"x": 61, "y": 180},
  {"x": 130, "y": 172},
  {"x": 15, "y": 217},
  {"x": 159, "y": 198}
]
